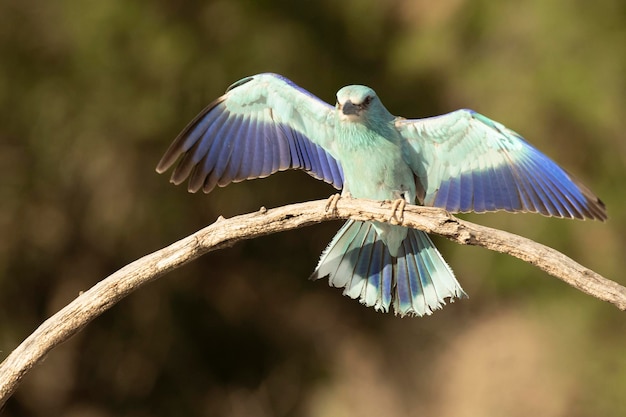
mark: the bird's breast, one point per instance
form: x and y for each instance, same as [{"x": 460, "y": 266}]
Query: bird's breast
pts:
[{"x": 374, "y": 167}]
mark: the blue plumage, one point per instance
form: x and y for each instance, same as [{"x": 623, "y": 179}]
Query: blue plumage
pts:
[
  {"x": 461, "y": 161},
  {"x": 223, "y": 145},
  {"x": 499, "y": 170}
]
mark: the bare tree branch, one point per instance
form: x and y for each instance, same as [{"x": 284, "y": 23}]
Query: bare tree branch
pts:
[{"x": 225, "y": 232}]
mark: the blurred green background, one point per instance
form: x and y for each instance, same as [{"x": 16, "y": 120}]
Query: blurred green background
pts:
[{"x": 92, "y": 93}]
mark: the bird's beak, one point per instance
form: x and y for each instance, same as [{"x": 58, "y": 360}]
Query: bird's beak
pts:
[{"x": 348, "y": 108}]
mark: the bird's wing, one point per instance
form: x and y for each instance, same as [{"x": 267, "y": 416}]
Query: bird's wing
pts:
[
  {"x": 262, "y": 124},
  {"x": 467, "y": 162}
]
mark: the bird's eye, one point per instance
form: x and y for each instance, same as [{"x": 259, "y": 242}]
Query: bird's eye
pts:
[{"x": 367, "y": 101}]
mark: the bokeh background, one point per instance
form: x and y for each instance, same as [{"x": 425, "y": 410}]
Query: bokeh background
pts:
[{"x": 93, "y": 92}]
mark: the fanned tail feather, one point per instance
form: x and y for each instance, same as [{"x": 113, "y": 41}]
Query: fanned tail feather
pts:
[{"x": 416, "y": 282}]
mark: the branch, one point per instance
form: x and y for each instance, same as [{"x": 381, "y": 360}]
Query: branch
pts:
[{"x": 226, "y": 232}]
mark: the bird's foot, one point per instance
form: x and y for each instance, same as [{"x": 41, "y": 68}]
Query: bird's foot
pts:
[
  {"x": 397, "y": 211},
  {"x": 331, "y": 203}
]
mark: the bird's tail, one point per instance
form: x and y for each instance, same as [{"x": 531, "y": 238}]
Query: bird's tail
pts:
[{"x": 417, "y": 281}]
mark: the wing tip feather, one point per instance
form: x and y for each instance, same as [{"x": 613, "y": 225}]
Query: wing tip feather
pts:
[{"x": 176, "y": 148}]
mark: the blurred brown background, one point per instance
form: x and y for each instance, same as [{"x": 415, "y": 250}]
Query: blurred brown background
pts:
[{"x": 92, "y": 93}]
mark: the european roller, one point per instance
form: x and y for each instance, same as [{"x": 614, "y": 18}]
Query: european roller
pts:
[{"x": 461, "y": 161}]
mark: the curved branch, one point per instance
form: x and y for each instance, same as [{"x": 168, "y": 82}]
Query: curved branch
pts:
[{"x": 225, "y": 232}]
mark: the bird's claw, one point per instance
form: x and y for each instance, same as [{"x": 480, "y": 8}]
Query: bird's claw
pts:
[
  {"x": 397, "y": 211},
  {"x": 331, "y": 203}
]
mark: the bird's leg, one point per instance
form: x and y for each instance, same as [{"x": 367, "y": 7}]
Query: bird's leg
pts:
[
  {"x": 331, "y": 203},
  {"x": 397, "y": 210}
]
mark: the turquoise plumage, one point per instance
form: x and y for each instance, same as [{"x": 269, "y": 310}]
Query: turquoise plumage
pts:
[{"x": 461, "y": 161}]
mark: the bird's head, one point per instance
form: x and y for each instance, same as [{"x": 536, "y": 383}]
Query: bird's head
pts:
[{"x": 358, "y": 103}]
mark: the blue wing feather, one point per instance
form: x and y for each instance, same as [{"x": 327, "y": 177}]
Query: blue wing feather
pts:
[
  {"x": 238, "y": 150},
  {"x": 231, "y": 153},
  {"x": 538, "y": 177},
  {"x": 506, "y": 188},
  {"x": 467, "y": 162},
  {"x": 479, "y": 192},
  {"x": 254, "y": 130},
  {"x": 212, "y": 120},
  {"x": 454, "y": 193},
  {"x": 486, "y": 176},
  {"x": 255, "y": 170},
  {"x": 224, "y": 156},
  {"x": 263, "y": 124},
  {"x": 208, "y": 137},
  {"x": 441, "y": 197},
  {"x": 466, "y": 199}
]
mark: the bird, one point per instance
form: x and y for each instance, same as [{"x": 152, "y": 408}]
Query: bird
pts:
[{"x": 461, "y": 161}]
